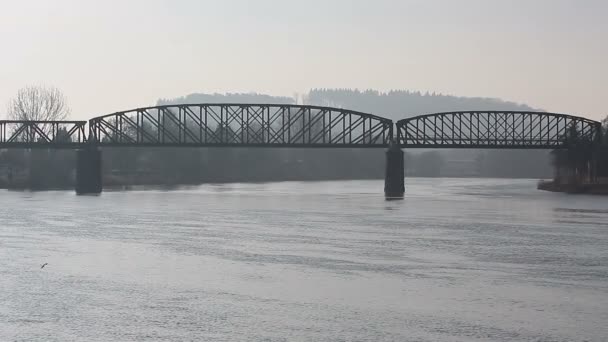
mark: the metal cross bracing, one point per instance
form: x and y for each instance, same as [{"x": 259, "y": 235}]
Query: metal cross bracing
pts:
[
  {"x": 275, "y": 125},
  {"x": 34, "y": 134},
  {"x": 283, "y": 125},
  {"x": 495, "y": 129}
]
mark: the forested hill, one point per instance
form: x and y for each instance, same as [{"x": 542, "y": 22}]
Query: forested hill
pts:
[
  {"x": 227, "y": 98},
  {"x": 399, "y": 104},
  {"x": 396, "y": 104}
]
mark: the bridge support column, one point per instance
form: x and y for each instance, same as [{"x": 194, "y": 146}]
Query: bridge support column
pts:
[
  {"x": 88, "y": 171},
  {"x": 394, "y": 177}
]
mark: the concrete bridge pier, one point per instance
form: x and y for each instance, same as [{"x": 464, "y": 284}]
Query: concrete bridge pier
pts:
[
  {"x": 88, "y": 171},
  {"x": 394, "y": 177}
]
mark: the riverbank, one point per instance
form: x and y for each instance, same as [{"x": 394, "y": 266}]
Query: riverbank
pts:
[
  {"x": 583, "y": 188},
  {"x": 111, "y": 182},
  {"x": 114, "y": 182}
]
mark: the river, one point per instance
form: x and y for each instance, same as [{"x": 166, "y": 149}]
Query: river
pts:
[{"x": 456, "y": 260}]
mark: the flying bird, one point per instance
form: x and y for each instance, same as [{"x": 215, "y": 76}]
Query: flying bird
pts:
[{"x": 46, "y": 263}]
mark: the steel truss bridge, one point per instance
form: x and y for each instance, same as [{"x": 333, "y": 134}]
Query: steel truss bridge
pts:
[
  {"x": 241, "y": 125},
  {"x": 495, "y": 129},
  {"x": 283, "y": 125}
]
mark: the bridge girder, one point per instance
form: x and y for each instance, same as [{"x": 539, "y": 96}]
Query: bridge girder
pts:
[
  {"x": 496, "y": 129},
  {"x": 271, "y": 125},
  {"x": 285, "y": 125},
  {"x": 42, "y": 134}
]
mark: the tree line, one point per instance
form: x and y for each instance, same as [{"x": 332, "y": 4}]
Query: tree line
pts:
[{"x": 585, "y": 161}]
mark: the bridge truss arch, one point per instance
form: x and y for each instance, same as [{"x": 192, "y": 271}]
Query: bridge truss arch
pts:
[
  {"x": 495, "y": 129},
  {"x": 263, "y": 125}
]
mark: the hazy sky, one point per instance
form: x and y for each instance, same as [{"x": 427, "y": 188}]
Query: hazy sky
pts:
[{"x": 111, "y": 55}]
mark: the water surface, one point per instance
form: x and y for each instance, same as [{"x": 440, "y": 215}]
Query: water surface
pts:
[{"x": 457, "y": 260}]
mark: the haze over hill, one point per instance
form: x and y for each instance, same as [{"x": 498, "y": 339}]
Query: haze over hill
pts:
[{"x": 395, "y": 104}]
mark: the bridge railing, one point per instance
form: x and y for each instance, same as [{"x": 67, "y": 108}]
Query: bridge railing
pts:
[
  {"x": 33, "y": 134},
  {"x": 277, "y": 125},
  {"x": 495, "y": 129}
]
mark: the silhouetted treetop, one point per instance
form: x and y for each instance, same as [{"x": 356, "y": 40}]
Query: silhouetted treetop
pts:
[{"x": 38, "y": 103}]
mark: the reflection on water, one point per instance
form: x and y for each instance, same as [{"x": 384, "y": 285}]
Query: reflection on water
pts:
[{"x": 456, "y": 260}]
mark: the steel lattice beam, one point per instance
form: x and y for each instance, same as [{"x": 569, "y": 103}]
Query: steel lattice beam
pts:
[
  {"x": 495, "y": 129},
  {"x": 42, "y": 134},
  {"x": 284, "y": 125},
  {"x": 278, "y": 125}
]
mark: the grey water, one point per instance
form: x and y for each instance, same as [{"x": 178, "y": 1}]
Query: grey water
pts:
[{"x": 456, "y": 260}]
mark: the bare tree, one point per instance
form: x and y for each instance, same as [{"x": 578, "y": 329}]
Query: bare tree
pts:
[{"x": 38, "y": 103}]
